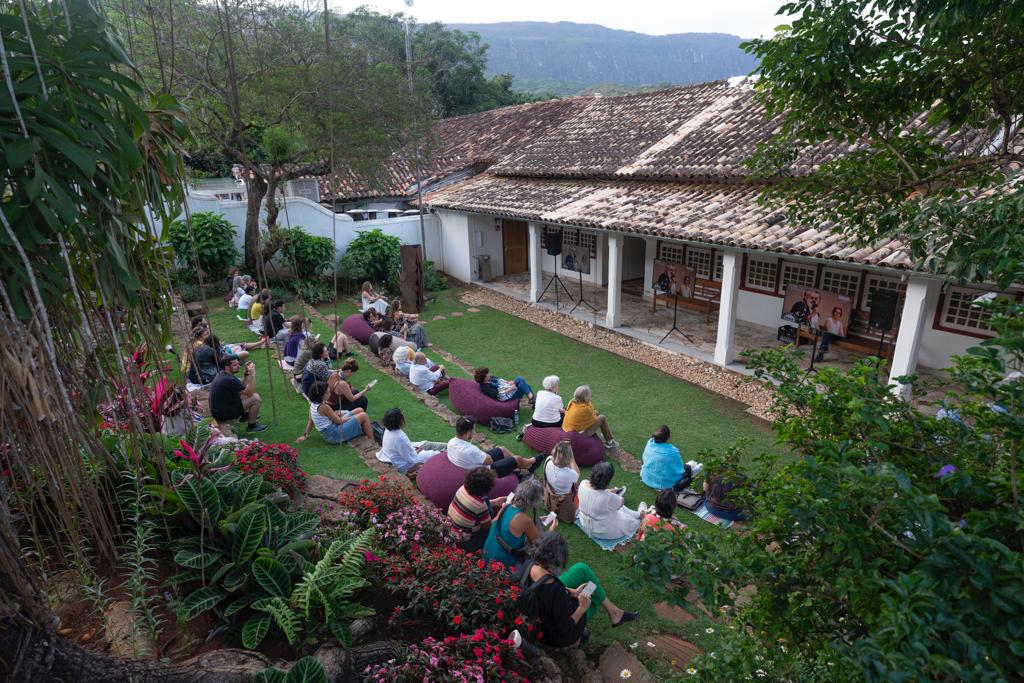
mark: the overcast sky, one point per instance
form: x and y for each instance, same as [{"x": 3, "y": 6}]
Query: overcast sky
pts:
[{"x": 745, "y": 18}]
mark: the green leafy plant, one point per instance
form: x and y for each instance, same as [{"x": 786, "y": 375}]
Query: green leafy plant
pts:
[
  {"x": 308, "y": 256},
  {"x": 306, "y": 670},
  {"x": 315, "y": 291},
  {"x": 193, "y": 292},
  {"x": 214, "y": 250},
  {"x": 433, "y": 279},
  {"x": 373, "y": 256}
]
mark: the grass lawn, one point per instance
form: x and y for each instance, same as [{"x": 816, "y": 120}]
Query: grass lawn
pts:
[{"x": 635, "y": 397}]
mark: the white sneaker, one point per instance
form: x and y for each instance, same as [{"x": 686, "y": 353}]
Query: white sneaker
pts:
[
  {"x": 642, "y": 508},
  {"x": 516, "y": 638},
  {"x": 610, "y": 444}
]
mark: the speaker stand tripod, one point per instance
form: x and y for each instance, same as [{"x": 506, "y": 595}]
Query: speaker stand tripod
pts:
[
  {"x": 557, "y": 282},
  {"x": 675, "y": 326},
  {"x": 814, "y": 350},
  {"x": 582, "y": 300}
]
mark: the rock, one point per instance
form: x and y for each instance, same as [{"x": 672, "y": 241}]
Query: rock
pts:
[
  {"x": 325, "y": 488},
  {"x": 673, "y": 650},
  {"x": 334, "y": 659},
  {"x": 361, "y": 628},
  {"x": 229, "y": 660},
  {"x": 615, "y": 659},
  {"x": 127, "y": 637},
  {"x": 545, "y": 670},
  {"x": 673, "y": 613},
  {"x": 473, "y": 309},
  {"x": 438, "y": 317},
  {"x": 457, "y": 314}
]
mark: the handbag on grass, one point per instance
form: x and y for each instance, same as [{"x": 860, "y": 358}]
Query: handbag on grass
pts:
[
  {"x": 689, "y": 499},
  {"x": 502, "y": 425},
  {"x": 378, "y": 432}
]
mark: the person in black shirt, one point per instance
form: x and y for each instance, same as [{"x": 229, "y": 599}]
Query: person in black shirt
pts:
[
  {"x": 563, "y": 608},
  {"x": 231, "y": 399},
  {"x": 274, "y": 325}
]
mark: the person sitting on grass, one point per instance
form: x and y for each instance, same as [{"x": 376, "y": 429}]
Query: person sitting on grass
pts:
[
  {"x": 603, "y": 513},
  {"x": 375, "y": 320},
  {"x": 397, "y": 449},
  {"x": 462, "y": 452},
  {"x": 407, "y": 326},
  {"x": 371, "y": 300},
  {"x": 305, "y": 355},
  {"x": 297, "y": 333},
  {"x": 231, "y": 399},
  {"x": 564, "y": 608},
  {"x": 259, "y": 305},
  {"x": 502, "y": 389},
  {"x": 245, "y": 301},
  {"x": 663, "y": 516},
  {"x": 334, "y": 427},
  {"x": 561, "y": 474},
  {"x": 339, "y": 391},
  {"x": 663, "y": 466},
  {"x": 431, "y": 380},
  {"x": 202, "y": 363},
  {"x": 387, "y": 345},
  {"x": 274, "y": 325},
  {"x": 241, "y": 283},
  {"x": 318, "y": 369},
  {"x": 582, "y": 417},
  {"x": 471, "y": 511},
  {"x": 716, "y": 496},
  {"x": 403, "y": 357},
  {"x": 516, "y": 525},
  {"x": 548, "y": 409}
]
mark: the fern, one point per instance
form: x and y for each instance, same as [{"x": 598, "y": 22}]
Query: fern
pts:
[
  {"x": 283, "y": 617},
  {"x": 138, "y": 560}
]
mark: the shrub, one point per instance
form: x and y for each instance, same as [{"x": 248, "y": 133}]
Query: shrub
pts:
[
  {"x": 375, "y": 500},
  {"x": 461, "y": 590},
  {"x": 308, "y": 256},
  {"x": 214, "y": 250},
  {"x": 315, "y": 291},
  {"x": 193, "y": 292},
  {"x": 408, "y": 529},
  {"x": 278, "y": 464},
  {"x": 483, "y": 656},
  {"x": 433, "y": 279},
  {"x": 373, "y": 256}
]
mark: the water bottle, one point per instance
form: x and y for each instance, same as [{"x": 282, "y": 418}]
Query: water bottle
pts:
[{"x": 515, "y": 417}]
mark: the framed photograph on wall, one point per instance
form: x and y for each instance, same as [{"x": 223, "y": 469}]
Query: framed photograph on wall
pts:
[
  {"x": 576, "y": 258},
  {"x": 674, "y": 278},
  {"x": 817, "y": 309}
]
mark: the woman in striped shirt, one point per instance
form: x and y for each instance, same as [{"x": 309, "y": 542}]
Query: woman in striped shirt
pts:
[{"x": 471, "y": 511}]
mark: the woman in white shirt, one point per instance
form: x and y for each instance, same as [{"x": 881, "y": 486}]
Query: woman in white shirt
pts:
[
  {"x": 560, "y": 476},
  {"x": 373, "y": 300},
  {"x": 602, "y": 511},
  {"x": 245, "y": 301},
  {"x": 548, "y": 410},
  {"x": 398, "y": 450}
]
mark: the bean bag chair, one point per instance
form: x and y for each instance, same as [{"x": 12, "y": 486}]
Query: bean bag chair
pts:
[
  {"x": 438, "y": 479},
  {"x": 588, "y": 450},
  {"x": 469, "y": 400},
  {"x": 357, "y": 328}
]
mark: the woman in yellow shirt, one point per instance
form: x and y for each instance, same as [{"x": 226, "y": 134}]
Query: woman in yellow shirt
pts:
[{"x": 581, "y": 416}]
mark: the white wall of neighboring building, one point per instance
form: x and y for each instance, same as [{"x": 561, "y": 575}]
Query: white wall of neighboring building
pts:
[
  {"x": 458, "y": 260},
  {"x": 937, "y": 346},
  {"x": 485, "y": 239}
]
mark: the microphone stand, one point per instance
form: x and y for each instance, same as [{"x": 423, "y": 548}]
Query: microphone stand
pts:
[{"x": 675, "y": 317}]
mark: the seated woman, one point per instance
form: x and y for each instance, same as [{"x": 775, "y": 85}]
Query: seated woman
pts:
[
  {"x": 259, "y": 305},
  {"x": 339, "y": 391},
  {"x": 317, "y": 369},
  {"x": 274, "y": 325},
  {"x": 516, "y": 525},
  {"x": 305, "y": 355},
  {"x": 297, "y": 334},
  {"x": 375, "y": 320},
  {"x": 582, "y": 417},
  {"x": 602, "y": 511},
  {"x": 372, "y": 300},
  {"x": 548, "y": 409},
  {"x": 397, "y": 449},
  {"x": 662, "y": 518},
  {"x": 202, "y": 367},
  {"x": 245, "y": 300},
  {"x": 471, "y": 511},
  {"x": 563, "y": 608},
  {"x": 560, "y": 477},
  {"x": 407, "y": 325},
  {"x": 333, "y": 427},
  {"x": 663, "y": 466},
  {"x": 502, "y": 389},
  {"x": 716, "y": 494}
]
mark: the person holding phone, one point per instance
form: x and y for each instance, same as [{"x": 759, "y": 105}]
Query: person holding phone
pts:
[
  {"x": 333, "y": 426},
  {"x": 471, "y": 511},
  {"x": 566, "y": 598},
  {"x": 602, "y": 511},
  {"x": 233, "y": 399},
  {"x": 516, "y": 525},
  {"x": 339, "y": 392}
]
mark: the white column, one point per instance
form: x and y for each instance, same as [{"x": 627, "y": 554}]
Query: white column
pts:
[
  {"x": 921, "y": 294},
  {"x": 533, "y": 261},
  {"x": 613, "y": 317},
  {"x": 724, "y": 351},
  {"x": 650, "y": 253}
]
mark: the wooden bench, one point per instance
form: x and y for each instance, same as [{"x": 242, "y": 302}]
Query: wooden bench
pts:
[
  {"x": 707, "y": 297},
  {"x": 861, "y": 337}
]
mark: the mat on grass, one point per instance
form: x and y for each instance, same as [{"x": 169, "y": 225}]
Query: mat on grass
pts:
[
  {"x": 605, "y": 543},
  {"x": 708, "y": 516}
]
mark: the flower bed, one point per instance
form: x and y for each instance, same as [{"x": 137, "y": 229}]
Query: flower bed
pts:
[
  {"x": 277, "y": 463},
  {"x": 407, "y": 530},
  {"x": 482, "y": 656},
  {"x": 375, "y": 500}
]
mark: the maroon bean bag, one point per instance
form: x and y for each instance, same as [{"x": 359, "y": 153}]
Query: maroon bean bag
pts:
[
  {"x": 467, "y": 398},
  {"x": 438, "y": 479},
  {"x": 588, "y": 450},
  {"x": 354, "y": 326}
]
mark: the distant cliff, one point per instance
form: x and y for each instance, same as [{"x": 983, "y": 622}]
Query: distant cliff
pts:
[{"x": 566, "y": 58}]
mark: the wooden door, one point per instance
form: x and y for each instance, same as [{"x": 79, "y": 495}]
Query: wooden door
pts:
[{"x": 515, "y": 245}]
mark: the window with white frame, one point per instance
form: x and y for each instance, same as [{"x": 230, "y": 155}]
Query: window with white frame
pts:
[
  {"x": 877, "y": 282},
  {"x": 761, "y": 273},
  {"x": 700, "y": 261},
  {"x": 673, "y": 253},
  {"x": 588, "y": 240},
  {"x": 959, "y": 312},
  {"x": 845, "y": 282},
  {"x": 800, "y": 274},
  {"x": 570, "y": 237},
  {"x": 719, "y": 266}
]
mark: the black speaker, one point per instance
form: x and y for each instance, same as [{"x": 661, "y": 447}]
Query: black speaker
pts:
[
  {"x": 554, "y": 240},
  {"x": 883, "y": 309}
]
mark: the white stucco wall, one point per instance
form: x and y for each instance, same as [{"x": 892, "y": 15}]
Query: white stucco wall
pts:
[
  {"x": 484, "y": 239},
  {"x": 453, "y": 229}
]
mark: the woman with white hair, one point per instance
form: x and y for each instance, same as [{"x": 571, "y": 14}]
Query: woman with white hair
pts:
[
  {"x": 549, "y": 409},
  {"x": 581, "y": 416},
  {"x": 516, "y": 525}
]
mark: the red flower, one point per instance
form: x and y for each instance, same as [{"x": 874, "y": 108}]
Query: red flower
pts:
[{"x": 457, "y": 619}]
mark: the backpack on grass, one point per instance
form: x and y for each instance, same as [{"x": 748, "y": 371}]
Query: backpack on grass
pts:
[{"x": 502, "y": 425}]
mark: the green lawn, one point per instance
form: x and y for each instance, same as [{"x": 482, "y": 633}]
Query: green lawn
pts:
[{"x": 635, "y": 397}]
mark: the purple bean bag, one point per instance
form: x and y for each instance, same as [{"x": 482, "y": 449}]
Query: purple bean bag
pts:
[
  {"x": 357, "y": 328},
  {"x": 467, "y": 398},
  {"x": 588, "y": 450},
  {"x": 438, "y": 479}
]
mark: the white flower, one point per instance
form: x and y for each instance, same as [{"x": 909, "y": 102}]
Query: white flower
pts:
[
  {"x": 784, "y": 649},
  {"x": 691, "y": 671},
  {"x": 760, "y": 673},
  {"x": 633, "y": 646},
  {"x": 625, "y": 673},
  {"x": 709, "y": 630},
  {"x": 650, "y": 644},
  {"x": 712, "y": 655}
]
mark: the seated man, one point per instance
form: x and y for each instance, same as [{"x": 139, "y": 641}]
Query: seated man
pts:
[
  {"x": 423, "y": 377},
  {"x": 274, "y": 325},
  {"x": 582, "y": 417},
  {"x": 462, "y": 452},
  {"x": 502, "y": 389},
  {"x": 230, "y": 399},
  {"x": 663, "y": 466}
]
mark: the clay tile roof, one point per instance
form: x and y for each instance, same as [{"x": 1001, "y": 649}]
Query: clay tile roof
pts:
[{"x": 725, "y": 214}]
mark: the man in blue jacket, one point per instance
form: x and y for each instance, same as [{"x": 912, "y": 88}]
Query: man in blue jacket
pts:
[{"x": 663, "y": 466}]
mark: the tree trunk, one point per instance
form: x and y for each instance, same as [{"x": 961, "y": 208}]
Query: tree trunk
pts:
[
  {"x": 256, "y": 188},
  {"x": 272, "y": 206}
]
